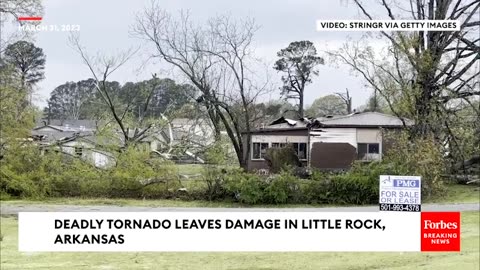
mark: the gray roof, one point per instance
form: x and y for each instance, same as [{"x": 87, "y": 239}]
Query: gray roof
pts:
[
  {"x": 364, "y": 119},
  {"x": 66, "y": 130},
  {"x": 89, "y": 124},
  {"x": 370, "y": 119},
  {"x": 57, "y": 136}
]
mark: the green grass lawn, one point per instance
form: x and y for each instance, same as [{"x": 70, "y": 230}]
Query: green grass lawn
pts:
[
  {"x": 458, "y": 194},
  {"x": 453, "y": 194},
  {"x": 467, "y": 259}
]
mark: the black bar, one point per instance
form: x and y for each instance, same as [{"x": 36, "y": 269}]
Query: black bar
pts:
[{"x": 400, "y": 207}]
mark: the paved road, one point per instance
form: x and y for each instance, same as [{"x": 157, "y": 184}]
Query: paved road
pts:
[{"x": 13, "y": 209}]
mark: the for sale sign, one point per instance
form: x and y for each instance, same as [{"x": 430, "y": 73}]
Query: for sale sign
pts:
[{"x": 400, "y": 193}]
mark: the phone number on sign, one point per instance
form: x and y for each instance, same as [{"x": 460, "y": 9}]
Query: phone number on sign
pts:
[
  {"x": 51, "y": 28},
  {"x": 400, "y": 207}
]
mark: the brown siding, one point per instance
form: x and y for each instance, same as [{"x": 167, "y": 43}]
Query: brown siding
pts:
[{"x": 333, "y": 155}]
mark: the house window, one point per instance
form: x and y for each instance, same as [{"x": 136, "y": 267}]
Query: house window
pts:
[
  {"x": 78, "y": 151},
  {"x": 279, "y": 145},
  {"x": 300, "y": 150},
  {"x": 259, "y": 150},
  {"x": 368, "y": 151}
]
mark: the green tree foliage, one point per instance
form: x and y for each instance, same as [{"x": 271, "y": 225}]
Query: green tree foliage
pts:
[
  {"x": 426, "y": 76},
  {"x": 166, "y": 98},
  {"x": 32, "y": 172},
  {"x": 80, "y": 100},
  {"x": 417, "y": 156},
  {"x": 327, "y": 105},
  {"x": 297, "y": 62},
  {"x": 464, "y": 140},
  {"x": 272, "y": 110},
  {"x": 16, "y": 119},
  {"x": 71, "y": 100},
  {"x": 28, "y": 62}
]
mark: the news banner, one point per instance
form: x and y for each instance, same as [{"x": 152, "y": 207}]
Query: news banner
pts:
[{"x": 398, "y": 225}]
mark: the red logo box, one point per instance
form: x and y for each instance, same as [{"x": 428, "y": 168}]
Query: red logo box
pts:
[{"x": 440, "y": 231}]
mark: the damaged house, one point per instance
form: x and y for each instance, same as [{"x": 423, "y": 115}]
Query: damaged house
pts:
[
  {"x": 73, "y": 137},
  {"x": 326, "y": 143},
  {"x": 179, "y": 140}
]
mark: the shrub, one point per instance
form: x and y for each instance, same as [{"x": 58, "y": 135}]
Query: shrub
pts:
[
  {"x": 24, "y": 174},
  {"x": 28, "y": 172},
  {"x": 79, "y": 178},
  {"x": 214, "y": 178},
  {"x": 215, "y": 173},
  {"x": 355, "y": 189},
  {"x": 417, "y": 156},
  {"x": 279, "y": 159},
  {"x": 358, "y": 186},
  {"x": 123, "y": 185},
  {"x": 245, "y": 187},
  {"x": 318, "y": 190},
  {"x": 283, "y": 188},
  {"x": 167, "y": 183}
]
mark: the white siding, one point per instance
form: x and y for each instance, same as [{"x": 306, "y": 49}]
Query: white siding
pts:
[
  {"x": 279, "y": 139},
  {"x": 154, "y": 145},
  {"x": 335, "y": 135},
  {"x": 69, "y": 147},
  {"x": 99, "y": 159},
  {"x": 369, "y": 135}
]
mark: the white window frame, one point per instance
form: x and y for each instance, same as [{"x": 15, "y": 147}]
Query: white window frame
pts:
[{"x": 280, "y": 145}]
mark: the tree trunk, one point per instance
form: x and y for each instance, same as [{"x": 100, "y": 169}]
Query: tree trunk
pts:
[{"x": 300, "y": 105}]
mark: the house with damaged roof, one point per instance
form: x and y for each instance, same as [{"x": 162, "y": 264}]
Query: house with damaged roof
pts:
[
  {"x": 326, "y": 143},
  {"x": 73, "y": 139},
  {"x": 180, "y": 140}
]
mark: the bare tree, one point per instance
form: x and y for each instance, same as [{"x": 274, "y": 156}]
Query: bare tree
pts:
[
  {"x": 347, "y": 99},
  {"x": 101, "y": 67},
  {"x": 12, "y": 10},
  {"x": 217, "y": 59},
  {"x": 424, "y": 75}
]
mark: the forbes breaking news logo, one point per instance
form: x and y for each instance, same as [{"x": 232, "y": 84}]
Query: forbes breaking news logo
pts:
[{"x": 440, "y": 231}]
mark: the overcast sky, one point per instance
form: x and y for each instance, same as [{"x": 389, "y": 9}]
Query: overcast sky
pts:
[{"x": 105, "y": 28}]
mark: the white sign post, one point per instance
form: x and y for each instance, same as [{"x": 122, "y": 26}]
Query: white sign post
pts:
[{"x": 400, "y": 193}]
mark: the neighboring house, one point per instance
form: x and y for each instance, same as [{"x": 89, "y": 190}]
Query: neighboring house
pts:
[
  {"x": 79, "y": 138},
  {"x": 77, "y": 141},
  {"x": 328, "y": 143}
]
